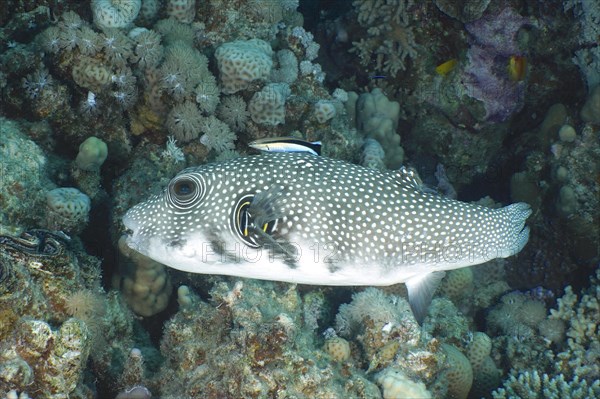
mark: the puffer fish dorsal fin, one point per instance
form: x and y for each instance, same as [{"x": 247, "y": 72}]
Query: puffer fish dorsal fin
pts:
[
  {"x": 406, "y": 176},
  {"x": 420, "y": 292}
]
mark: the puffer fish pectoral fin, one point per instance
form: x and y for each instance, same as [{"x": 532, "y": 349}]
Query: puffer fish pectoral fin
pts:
[
  {"x": 265, "y": 205},
  {"x": 420, "y": 292},
  {"x": 264, "y": 210}
]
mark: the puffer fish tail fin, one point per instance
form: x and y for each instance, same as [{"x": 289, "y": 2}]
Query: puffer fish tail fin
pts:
[
  {"x": 518, "y": 234},
  {"x": 420, "y": 292}
]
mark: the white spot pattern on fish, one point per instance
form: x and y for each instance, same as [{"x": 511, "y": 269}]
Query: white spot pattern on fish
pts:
[{"x": 315, "y": 220}]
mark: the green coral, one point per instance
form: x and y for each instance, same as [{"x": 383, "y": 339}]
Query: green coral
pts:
[{"x": 531, "y": 385}]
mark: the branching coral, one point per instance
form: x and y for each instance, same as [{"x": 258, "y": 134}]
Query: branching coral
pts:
[
  {"x": 389, "y": 35},
  {"x": 233, "y": 111},
  {"x": 575, "y": 371},
  {"x": 217, "y": 135},
  {"x": 184, "y": 121},
  {"x": 582, "y": 355},
  {"x": 587, "y": 57},
  {"x": 183, "y": 69},
  {"x": 148, "y": 51},
  {"x": 531, "y": 385}
]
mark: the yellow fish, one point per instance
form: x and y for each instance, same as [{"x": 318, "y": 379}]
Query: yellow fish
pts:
[
  {"x": 445, "y": 68},
  {"x": 517, "y": 67}
]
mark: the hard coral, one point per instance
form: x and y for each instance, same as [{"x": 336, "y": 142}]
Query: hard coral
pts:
[
  {"x": 268, "y": 105},
  {"x": 67, "y": 209},
  {"x": 182, "y": 10},
  {"x": 243, "y": 61},
  {"x": 389, "y": 35},
  {"x": 396, "y": 384},
  {"x": 532, "y": 384},
  {"x": 115, "y": 13},
  {"x": 459, "y": 373}
]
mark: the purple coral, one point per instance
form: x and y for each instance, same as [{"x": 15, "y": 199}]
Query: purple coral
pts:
[
  {"x": 499, "y": 32},
  {"x": 486, "y": 77}
]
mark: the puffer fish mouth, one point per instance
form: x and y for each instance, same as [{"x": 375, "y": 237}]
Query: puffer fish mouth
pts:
[
  {"x": 129, "y": 231},
  {"x": 128, "y": 223}
]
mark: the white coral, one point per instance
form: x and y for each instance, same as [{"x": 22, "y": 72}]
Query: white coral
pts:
[
  {"x": 232, "y": 111},
  {"x": 217, "y": 135},
  {"x": 268, "y": 105},
  {"x": 396, "y": 384},
  {"x": 115, "y": 13},
  {"x": 243, "y": 61}
]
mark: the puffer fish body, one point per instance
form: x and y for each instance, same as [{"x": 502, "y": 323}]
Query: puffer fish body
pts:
[{"x": 301, "y": 218}]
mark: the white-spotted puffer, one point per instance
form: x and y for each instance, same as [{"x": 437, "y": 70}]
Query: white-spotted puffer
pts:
[{"x": 307, "y": 219}]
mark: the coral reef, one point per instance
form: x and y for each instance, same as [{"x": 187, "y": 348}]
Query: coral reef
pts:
[
  {"x": 495, "y": 38},
  {"x": 459, "y": 373},
  {"x": 115, "y": 13},
  {"x": 267, "y": 106},
  {"x": 67, "y": 209},
  {"x": 389, "y": 34},
  {"x": 530, "y": 384},
  {"x": 104, "y": 101},
  {"x": 377, "y": 118},
  {"x": 23, "y": 182},
  {"x": 591, "y": 108},
  {"x": 46, "y": 361},
  {"x": 146, "y": 286},
  {"x": 92, "y": 154},
  {"x": 465, "y": 12},
  {"x": 587, "y": 58},
  {"x": 250, "y": 341},
  {"x": 242, "y": 62},
  {"x": 40, "y": 284},
  {"x": 397, "y": 385}
]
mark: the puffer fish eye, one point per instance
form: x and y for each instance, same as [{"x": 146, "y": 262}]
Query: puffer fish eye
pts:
[
  {"x": 184, "y": 188},
  {"x": 185, "y": 191}
]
